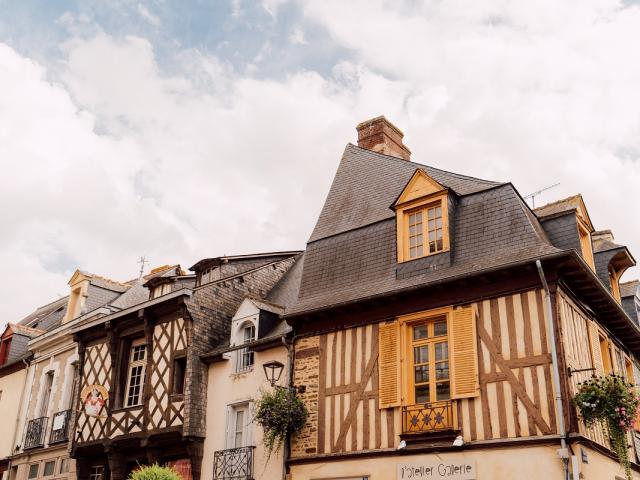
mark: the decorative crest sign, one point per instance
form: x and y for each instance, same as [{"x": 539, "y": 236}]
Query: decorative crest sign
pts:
[{"x": 93, "y": 398}]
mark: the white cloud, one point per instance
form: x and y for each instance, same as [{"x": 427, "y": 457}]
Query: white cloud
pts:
[
  {"x": 297, "y": 36},
  {"x": 148, "y": 16},
  {"x": 120, "y": 158}
]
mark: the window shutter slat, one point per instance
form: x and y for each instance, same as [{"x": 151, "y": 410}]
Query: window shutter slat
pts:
[
  {"x": 596, "y": 355},
  {"x": 464, "y": 355},
  {"x": 389, "y": 364}
]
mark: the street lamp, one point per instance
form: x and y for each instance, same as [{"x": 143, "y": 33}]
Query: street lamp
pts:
[{"x": 273, "y": 370}]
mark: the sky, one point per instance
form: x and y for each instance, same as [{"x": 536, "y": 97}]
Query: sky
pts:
[{"x": 193, "y": 129}]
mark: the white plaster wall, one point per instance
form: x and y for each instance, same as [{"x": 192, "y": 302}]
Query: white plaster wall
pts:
[
  {"x": 226, "y": 388},
  {"x": 12, "y": 387}
]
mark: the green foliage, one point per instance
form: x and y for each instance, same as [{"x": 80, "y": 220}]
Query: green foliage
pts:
[
  {"x": 279, "y": 412},
  {"x": 154, "y": 472},
  {"x": 612, "y": 403}
]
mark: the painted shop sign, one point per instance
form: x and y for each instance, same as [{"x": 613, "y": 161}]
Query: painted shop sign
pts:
[
  {"x": 94, "y": 397},
  {"x": 441, "y": 470}
]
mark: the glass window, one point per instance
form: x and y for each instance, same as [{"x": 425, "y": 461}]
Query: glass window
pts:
[
  {"x": 135, "y": 378},
  {"x": 64, "y": 465},
  {"x": 33, "y": 470},
  {"x": 96, "y": 472},
  {"x": 430, "y": 362},
  {"x": 46, "y": 394},
  {"x": 239, "y": 421},
  {"x": 49, "y": 469},
  {"x": 425, "y": 233},
  {"x": 179, "y": 369},
  {"x": 245, "y": 357}
]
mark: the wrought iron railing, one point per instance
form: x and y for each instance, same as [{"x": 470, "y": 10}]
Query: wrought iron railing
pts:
[
  {"x": 36, "y": 429},
  {"x": 428, "y": 417},
  {"x": 233, "y": 464},
  {"x": 60, "y": 427}
]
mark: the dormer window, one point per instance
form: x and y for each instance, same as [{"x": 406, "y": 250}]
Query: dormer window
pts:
[
  {"x": 422, "y": 218},
  {"x": 585, "y": 243},
  {"x": 5, "y": 345},
  {"x": 160, "y": 290},
  {"x": 245, "y": 357},
  {"x": 614, "y": 280}
]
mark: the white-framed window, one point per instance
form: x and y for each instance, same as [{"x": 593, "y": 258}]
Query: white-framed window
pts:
[
  {"x": 245, "y": 357},
  {"x": 136, "y": 373},
  {"x": 238, "y": 425},
  {"x": 97, "y": 472},
  {"x": 46, "y": 394}
]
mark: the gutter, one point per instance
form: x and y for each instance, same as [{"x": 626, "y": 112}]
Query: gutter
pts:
[{"x": 563, "y": 453}]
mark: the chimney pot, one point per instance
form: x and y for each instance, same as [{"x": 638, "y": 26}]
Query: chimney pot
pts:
[{"x": 382, "y": 136}]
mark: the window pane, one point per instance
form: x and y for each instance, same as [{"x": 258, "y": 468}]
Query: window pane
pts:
[
  {"x": 419, "y": 331},
  {"x": 442, "y": 351},
  {"x": 439, "y": 329},
  {"x": 422, "y": 374},
  {"x": 33, "y": 471},
  {"x": 442, "y": 391},
  {"x": 442, "y": 371},
  {"x": 49, "y": 468},
  {"x": 421, "y": 354},
  {"x": 422, "y": 394},
  {"x": 432, "y": 247},
  {"x": 438, "y": 211}
]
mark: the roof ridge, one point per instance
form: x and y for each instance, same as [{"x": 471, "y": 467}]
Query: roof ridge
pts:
[
  {"x": 556, "y": 202},
  {"x": 630, "y": 282},
  {"x": 459, "y": 175}
]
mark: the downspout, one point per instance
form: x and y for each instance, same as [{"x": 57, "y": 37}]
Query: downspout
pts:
[
  {"x": 563, "y": 452},
  {"x": 286, "y": 449}
]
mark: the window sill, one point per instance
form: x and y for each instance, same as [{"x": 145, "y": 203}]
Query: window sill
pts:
[
  {"x": 176, "y": 397},
  {"x": 243, "y": 372},
  {"x": 127, "y": 409}
]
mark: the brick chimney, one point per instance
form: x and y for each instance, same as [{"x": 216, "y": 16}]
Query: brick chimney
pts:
[{"x": 382, "y": 136}]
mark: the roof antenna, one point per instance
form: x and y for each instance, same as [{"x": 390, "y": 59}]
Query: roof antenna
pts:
[
  {"x": 532, "y": 196},
  {"x": 143, "y": 260}
]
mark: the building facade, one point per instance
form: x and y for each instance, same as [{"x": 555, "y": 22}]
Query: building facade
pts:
[
  {"x": 50, "y": 388},
  {"x": 143, "y": 387},
  {"x": 442, "y": 326}
]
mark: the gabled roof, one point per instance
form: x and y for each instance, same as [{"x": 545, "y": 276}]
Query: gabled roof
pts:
[
  {"x": 573, "y": 203},
  {"x": 367, "y": 183},
  {"x": 629, "y": 289},
  {"x": 216, "y": 261},
  {"x": 18, "y": 329}
]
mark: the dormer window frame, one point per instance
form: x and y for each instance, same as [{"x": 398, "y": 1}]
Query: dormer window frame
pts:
[
  {"x": 423, "y": 205},
  {"x": 586, "y": 244}
]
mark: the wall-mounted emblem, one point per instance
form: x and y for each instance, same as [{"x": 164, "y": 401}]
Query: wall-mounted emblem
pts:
[{"x": 94, "y": 397}]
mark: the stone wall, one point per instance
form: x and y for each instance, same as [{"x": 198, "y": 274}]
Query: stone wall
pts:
[{"x": 305, "y": 373}]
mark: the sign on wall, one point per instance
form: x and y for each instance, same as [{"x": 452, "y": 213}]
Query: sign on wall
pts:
[
  {"x": 438, "y": 470},
  {"x": 93, "y": 398}
]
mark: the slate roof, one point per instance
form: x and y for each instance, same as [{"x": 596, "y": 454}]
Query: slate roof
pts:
[
  {"x": 603, "y": 241},
  {"x": 367, "y": 183},
  {"x": 559, "y": 206},
  {"x": 47, "y": 316},
  {"x": 629, "y": 289},
  {"x": 285, "y": 293},
  {"x": 352, "y": 252}
]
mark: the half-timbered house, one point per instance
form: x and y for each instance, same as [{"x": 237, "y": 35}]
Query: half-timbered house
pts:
[
  {"x": 442, "y": 325},
  {"x": 142, "y": 389},
  {"x": 42, "y": 432}
]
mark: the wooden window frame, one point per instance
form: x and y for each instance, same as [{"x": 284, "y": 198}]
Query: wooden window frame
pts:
[
  {"x": 403, "y": 212},
  {"x": 430, "y": 341},
  {"x": 585, "y": 243},
  {"x": 179, "y": 355},
  {"x": 131, "y": 364}
]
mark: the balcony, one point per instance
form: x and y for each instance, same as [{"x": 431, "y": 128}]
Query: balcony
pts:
[
  {"x": 36, "y": 429},
  {"x": 429, "y": 418},
  {"x": 60, "y": 427},
  {"x": 233, "y": 464}
]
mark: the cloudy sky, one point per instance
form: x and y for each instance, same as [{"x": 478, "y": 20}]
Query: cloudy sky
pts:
[{"x": 181, "y": 130}]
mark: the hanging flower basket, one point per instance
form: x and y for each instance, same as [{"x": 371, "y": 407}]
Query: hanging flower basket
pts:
[
  {"x": 280, "y": 413},
  {"x": 612, "y": 403}
]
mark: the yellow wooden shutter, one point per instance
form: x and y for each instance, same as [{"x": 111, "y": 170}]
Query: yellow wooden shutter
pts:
[
  {"x": 389, "y": 365},
  {"x": 464, "y": 354},
  {"x": 596, "y": 354}
]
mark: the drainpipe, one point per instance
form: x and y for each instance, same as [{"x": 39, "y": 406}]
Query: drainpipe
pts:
[{"x": 563, "y": 453}]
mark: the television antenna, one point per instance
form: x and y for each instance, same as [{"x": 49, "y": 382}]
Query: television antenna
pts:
[
  {"x": 143, "y": 260},
  {"x": 532, "y": 196}
]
